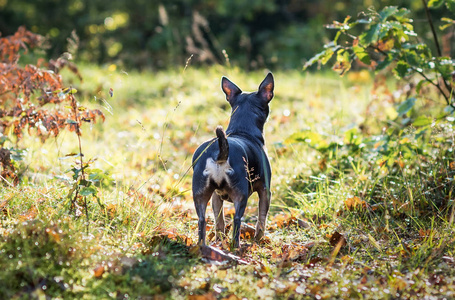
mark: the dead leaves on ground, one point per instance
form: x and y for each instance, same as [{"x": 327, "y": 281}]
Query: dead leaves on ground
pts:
[
  {"x": 283, "y": 220},
  {"x": 337, "y": 239},
  {"x": 170, "y": 235},
  {"x": 354, "y": 203}
]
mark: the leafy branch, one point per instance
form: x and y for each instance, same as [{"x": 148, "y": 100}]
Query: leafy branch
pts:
[{"x": 386, "y": 39}]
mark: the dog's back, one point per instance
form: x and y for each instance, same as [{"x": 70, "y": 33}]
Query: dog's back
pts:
[{"x": 221, "y": 175}]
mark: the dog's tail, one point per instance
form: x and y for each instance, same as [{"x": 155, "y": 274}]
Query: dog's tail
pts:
[{"x": 223, "y": 145}]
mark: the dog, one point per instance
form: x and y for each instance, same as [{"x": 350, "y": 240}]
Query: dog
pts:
[{"x": 233, "y": 165}]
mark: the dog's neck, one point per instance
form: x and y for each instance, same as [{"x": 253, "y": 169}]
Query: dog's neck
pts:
[{"x": 247, "y": 122}]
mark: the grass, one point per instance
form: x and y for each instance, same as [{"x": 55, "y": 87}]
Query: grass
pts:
[{"x": 344, "y": 222}]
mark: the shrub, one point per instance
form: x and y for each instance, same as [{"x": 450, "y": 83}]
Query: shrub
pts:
[{"x": 34, "y": 98}]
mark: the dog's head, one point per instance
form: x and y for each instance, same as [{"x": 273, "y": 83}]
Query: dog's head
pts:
[{"x": 256, "y": 102}]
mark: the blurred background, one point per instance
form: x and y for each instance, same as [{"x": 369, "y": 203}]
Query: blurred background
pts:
[{"x": 278, "y": 34}]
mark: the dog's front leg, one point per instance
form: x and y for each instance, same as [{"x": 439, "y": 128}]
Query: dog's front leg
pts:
[
  {"x": 240, "y": 205},
  {"x": 264, "y": 205},
  {"x": 200, "y": 203},
  {"x": 217, "y": 205}
]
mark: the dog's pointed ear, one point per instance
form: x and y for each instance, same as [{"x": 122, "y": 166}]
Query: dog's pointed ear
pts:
[
  {"x": 266, "y": 88},
  {"x": 229, "y": 88}
]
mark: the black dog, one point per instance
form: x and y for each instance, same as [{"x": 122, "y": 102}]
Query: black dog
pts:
[{"x": 237, "y": 165}]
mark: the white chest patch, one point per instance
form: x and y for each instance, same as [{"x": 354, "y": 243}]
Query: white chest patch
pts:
[{"x": 217, "y": 172}]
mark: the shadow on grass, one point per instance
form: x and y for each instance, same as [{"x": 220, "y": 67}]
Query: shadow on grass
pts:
[{"x": 41, "y": 260}]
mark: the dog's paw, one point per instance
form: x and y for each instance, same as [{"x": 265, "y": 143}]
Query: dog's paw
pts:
[{"x": 259, "y": 234}]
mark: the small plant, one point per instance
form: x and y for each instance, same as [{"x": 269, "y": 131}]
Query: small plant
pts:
[{"x": 83, "y": 178}]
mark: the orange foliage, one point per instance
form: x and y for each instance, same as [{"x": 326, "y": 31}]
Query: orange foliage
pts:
[{"x": 32, "y": 97}]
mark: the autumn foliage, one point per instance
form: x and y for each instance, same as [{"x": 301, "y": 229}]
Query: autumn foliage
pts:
[{"x": 33, "y": 98}]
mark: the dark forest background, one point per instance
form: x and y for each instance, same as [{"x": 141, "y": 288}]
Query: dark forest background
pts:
[{"x": 161, "y": 34}]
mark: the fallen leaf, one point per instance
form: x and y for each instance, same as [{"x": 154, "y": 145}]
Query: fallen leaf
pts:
[
  {"x": 337, "y": 238},
  {"x": 312, "y": 263},
  {"x": 30, "y": 215},
  {"x": 424, "y": 232},
  {"x": 172, "y": 234},
  {"x": 303, "y": 224},
  {"x": 98, "y": 271},
  {"x": 309, "y": 245},
  {"x": 53, "y": 232},
  {"x": 208, "y": 296},
  {"x": 354, "y": 203},
  {"x": 247, "y": 231},
  {"x": 231, "y": 297}
]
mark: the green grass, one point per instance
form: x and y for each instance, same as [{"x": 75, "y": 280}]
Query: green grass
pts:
[{"x": 398, "y": 242}]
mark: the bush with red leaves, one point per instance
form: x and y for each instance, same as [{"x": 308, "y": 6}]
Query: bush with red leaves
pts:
[{"x": 33, "y": 97}]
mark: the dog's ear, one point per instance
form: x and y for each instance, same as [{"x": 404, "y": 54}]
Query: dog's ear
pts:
[
  {"x": 229, "y": 88},
  {"x": 266, "y": 88}
]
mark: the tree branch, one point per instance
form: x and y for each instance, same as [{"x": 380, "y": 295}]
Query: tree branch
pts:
[{"x": 435, "y": 37}]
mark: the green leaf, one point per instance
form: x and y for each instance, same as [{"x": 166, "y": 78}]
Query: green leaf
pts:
[
  {"x": 401, "y": 69},
  {"x": 328, "y": 54},
  {"x": 370, "y": 36},
  {"x": 69, "y": 91},
  {"x": 412, "y": 58},
  {"x": 3, "y": 139},
  {"x": 401, "y": 13},
  {"x": 422, "y": 121},
  {"x": 450, "y": 4},
  {"x": 353, "y": 137},
  {"x": 406, "y": 106},
  {"x": 387, "y": 12},
  {"x": 362, "y": 55},
  {"x": 314, "y": 139},
  {"x": 69, "y": 121},
  {"x": 87, "y": 191},
  {"x": 449, "y": 22},
  {"x": 435, "y": 3},
  {"x": 323, "y": 56},
  {"x": 420, "y": 84},
  {"x": 386, "y": 62}
]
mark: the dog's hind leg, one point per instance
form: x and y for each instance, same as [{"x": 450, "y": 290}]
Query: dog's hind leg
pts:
[
  {"x": 217, "y": 205},
  {"x": 200, "y": 203},
  {"x": 264, "y": 203},
  {"x": 240, "y": 205}
]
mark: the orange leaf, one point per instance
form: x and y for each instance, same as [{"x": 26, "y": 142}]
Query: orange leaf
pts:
[
  {"x": 354, "y": 202},
  {"x": 247, "y": 231},
  {"x": 53, "y": 233},
  {"x": 98, "y": 271},
  {"x": 208, "y": 296}
]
